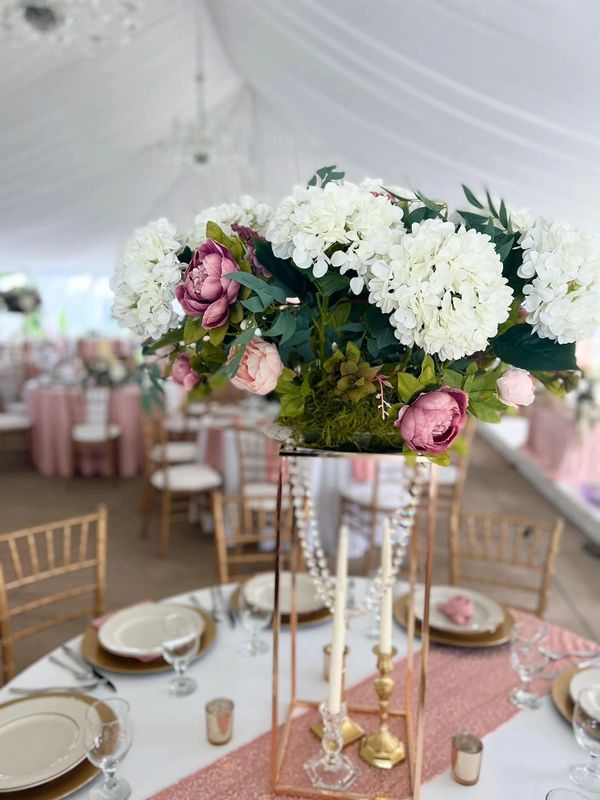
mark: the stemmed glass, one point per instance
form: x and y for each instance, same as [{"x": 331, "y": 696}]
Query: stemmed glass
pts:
[
  {"x": 528, "y": 661},
  {"x": 181, "y": 639},
  {"x": 107, "y": 734},
  {"x": 254, "y": 619},
  {"x": 586, "y": 725}
]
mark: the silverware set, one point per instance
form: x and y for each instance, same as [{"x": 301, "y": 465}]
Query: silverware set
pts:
[
  {"x": 591, "y": 659},
  {"x": 88, "y": 676},
  {"x": 219, "y": 608}
]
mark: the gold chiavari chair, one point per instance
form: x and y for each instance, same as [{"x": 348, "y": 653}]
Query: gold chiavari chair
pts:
[
  {"x": 70, "y": 550},
  {"x": 514, "y": 555},
  {"x": 178, "y": 482},
  {"x": 240, "y": 531},
  {"x": 451, "y": 479},
  {"x": 95, "y": 432},
  {"x": 258, "y": 468}
]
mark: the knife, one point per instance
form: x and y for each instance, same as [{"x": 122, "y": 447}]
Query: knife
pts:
[
  {"x": 79, "y": 659},
  {"x": 225, "y": 606}
]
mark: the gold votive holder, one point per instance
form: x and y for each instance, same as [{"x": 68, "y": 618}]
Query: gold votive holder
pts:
[
  {"x": 219, "y": 720},
  {"x": 467, "y": 752},
  {"x": 351, "y": 731},
  {"x": 382, "y": 748}
]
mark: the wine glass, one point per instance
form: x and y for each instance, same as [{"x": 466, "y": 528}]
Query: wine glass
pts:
[
  {"x": 586, "y": 725},
  {"x": 564, "y": 794},
  {"x": 254, "y": 619},
  {"x": 107, "y": 735},
  {"x": 528, "y": 661},
  {"x": 181, "y": 639}
]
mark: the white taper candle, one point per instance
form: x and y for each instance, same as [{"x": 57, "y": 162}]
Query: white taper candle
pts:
[
  {"x": 385, "y": 622},
  {"x": 336, "y": 662}
]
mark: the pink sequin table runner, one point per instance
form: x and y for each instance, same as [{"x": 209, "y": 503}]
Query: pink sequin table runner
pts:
[{"x": 466, "y": 690}]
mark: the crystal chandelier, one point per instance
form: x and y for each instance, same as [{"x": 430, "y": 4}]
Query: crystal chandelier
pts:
[{"x": 64, "y": 22}]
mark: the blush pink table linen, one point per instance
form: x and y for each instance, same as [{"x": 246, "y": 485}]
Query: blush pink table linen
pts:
[
  {"x": 466, "y": 690},
  {"x": 556, "y": 444},
  {"x": 49, "y": 409}
]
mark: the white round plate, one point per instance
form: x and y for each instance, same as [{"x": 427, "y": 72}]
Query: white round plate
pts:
[
  {"x": 40, "y": 739},
  {"x": 260, "y": 591},
  {"x": 136, "y": 632},
  {"x": 487, "y": 617},
  {"x": 584, "y": 679}
]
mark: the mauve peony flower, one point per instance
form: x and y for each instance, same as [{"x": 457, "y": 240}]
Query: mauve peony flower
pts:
[
  {"x": 432, "y": 421},
  {"x": 205, "y": 292},
  {"x": 259, "y": 369},
  {"x": 183, "y": 373},
  {"x": 516, "y": 388}
]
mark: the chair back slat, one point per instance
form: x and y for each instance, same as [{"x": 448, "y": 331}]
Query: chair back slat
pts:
[
  {"x": 242, "y": 524},
  {"x": 41, "y": 564},
  {"x": 500, "y": 550}
]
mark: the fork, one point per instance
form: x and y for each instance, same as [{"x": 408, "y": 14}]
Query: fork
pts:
[
  {"x": 79, "y": 674},
  {"x": 557, "y": 655},
  {"x": 45, "y": 689}
]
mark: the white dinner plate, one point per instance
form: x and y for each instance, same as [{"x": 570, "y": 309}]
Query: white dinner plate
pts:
[
  {"x": 584, "y": 679},
  {"x": 40, "y": 739},
  {"x": 488, "y": 614},
  {"x": 137, "y": 632},
  {"x": 260, "y": 591}
]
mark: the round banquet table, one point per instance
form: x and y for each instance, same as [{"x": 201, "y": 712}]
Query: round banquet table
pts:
[
  {"x": 523, "y": 758},
  {"x": 49, "y": 410}
]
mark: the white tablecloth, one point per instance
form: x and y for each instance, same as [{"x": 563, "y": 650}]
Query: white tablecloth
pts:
[{"x": 522, "y": 759}]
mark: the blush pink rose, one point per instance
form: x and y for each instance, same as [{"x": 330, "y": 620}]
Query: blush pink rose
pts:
[
  {"x": 183, "y": 373},
  {"x": 205, "y": 293},
  {"x": 516, "y": 388},
  {"x": 259, "y": 369},
  {"x": 432, "y": 421}
]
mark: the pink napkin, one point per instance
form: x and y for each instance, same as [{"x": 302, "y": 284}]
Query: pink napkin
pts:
[
  {"x": 458, "y": 608},
  {"x": 99, "y": 621}
]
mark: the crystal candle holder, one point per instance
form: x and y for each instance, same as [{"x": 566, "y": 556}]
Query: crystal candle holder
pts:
[{"x": 331, "y": 769}]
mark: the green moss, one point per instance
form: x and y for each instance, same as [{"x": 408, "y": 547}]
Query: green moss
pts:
[{"x": 330, "y": 422}]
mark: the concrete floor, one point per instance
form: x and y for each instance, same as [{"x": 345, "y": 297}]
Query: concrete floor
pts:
[{"x": 135, "y": 571}]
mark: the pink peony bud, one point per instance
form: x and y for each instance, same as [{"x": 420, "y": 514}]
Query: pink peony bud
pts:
[
  {"x": 432, "y": 421},
  {"x": 516, "y": 388},
  {"x": 183, "y": 373},
  {"x": 259, "y": 369}
]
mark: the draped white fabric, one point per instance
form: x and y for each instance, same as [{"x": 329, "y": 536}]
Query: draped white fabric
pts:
[{"x": 427, "y": 94}]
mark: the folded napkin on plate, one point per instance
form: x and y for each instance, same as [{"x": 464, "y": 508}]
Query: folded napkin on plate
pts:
[
  {"x": 458, "y": 608},
  {"x": 99, "y": 621}
]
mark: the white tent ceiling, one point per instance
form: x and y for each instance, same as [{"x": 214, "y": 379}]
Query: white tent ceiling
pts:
[{"x": 427, "y": 94}]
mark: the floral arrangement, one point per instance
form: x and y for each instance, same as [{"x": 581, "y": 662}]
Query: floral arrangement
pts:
[
  {"x": 22, "y": 300},
  {"x": 104, "y": 371},
  {"x": 378, "y": 318}
]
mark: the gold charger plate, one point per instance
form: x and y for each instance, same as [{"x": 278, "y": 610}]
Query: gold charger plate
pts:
[
  {"x": 69, "y": 782},
  {"x": 304, "y": 620},
  {"x": 560, "y": 693},
  {"x": 96, "y": 655},
  {"x": 488, "y": 639}
]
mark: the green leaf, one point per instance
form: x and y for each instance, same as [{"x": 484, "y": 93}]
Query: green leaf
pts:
[
  {"x": 331, "y": 282},
  {"x": 185, "y": 256},
  {"x": 171, "y": 337},
  {"x": 339, "y": 314},
  {"x": 490, "y": 203},
  {"x": 427, "y": 375},
  {"x": 521, "y": 347},
  {"x": 244, "y": 337},
  {"x": 236, "y": 314},
  {"x": 285, "y": 326},
  {"x": 193, "y": 330},
  {"x": 217, "y": 335},
  {"x": 214, "y": 232},
  {"x": 258, "y": 285},
  {"x": 510, "y": 265},
  {"x": 292, "y": 405},
  {"x": 471, "y": 197},
  {"x": 483, "y": 412},
  {"x": 503, "y": 215},
  {"x": 255, "y": 304},
  {"x": 416, "y": 215},
  {"x": 430, "y": 204},
  {"x": 452, "y": 379},
  {"x": 285, "y": 272},
  {"x": 408, "y": 386},
  {"x": 476, "y": 221}
]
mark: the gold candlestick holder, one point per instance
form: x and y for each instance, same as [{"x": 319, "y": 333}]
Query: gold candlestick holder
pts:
[
  {"x": 383, "y": 749},
  {"x": 351, "y": 730}
]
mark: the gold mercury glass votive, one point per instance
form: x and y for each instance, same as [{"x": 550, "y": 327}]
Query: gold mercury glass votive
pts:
[
  {"x": 219, "y": 720},
  {"x": 466, "y": 758}
]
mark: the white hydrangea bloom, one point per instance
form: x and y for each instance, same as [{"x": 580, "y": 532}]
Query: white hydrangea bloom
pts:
[
  {"x": 563, "y": 298},
  {"x": 340, "y": 225},
  {"x": 444, "y": 288},
  {"x": 144, "y": 280},
  {"x": 247, "y": 212}
]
